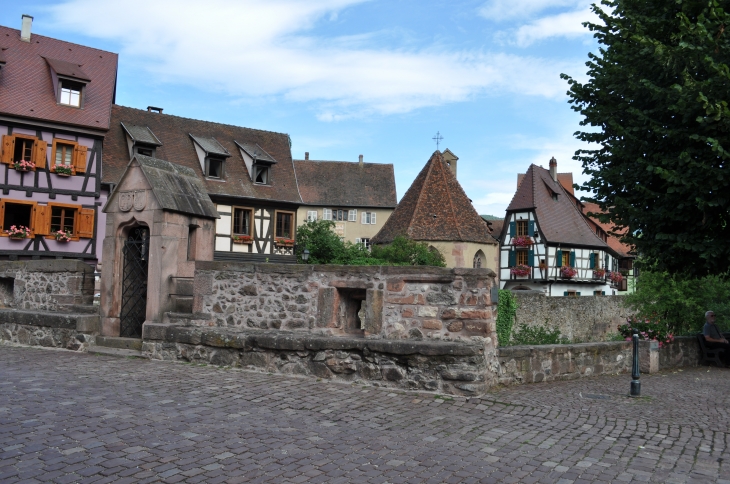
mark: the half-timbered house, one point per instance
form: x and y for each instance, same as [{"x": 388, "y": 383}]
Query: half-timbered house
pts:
[
  {"x": 548, "y": 244},
  {"x": 55, "y": 101},
  {"x": 248, "y": 174}
]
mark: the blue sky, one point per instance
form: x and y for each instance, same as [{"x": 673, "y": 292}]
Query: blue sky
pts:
[{"x": 350, "y": 77}]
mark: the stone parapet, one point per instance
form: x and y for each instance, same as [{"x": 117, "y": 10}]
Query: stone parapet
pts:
[
  {"x": 49, "y": 337},
  {"x": 461, "y": 368}
]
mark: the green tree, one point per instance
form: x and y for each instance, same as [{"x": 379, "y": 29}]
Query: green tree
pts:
[
  {"x": 656, "y": 100},
  {"x": 404, "y": 251}
]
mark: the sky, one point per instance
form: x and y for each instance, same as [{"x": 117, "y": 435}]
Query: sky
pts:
[{"x": 348, "y": 77}]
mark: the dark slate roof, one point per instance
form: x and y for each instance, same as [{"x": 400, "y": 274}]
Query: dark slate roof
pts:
[
  {"x": 561, "y": 222},
  {"x": 435, "y": 207},
  {"x": 256, "y": 152},
  {"x": 68, "y": 69},
  {"x": 177, "y": 188},
  {"x": 141, "y": 134},
  {"x": 178, "y": 147},
  {"x": 26, "y": 89},
  {"x": 346, "y": 184},
  {"x": 211, "y": 146}
]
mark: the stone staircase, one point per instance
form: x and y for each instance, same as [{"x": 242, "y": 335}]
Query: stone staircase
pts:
[
  {"x": 114, "y": 346},
  {"x": 181, "y": 294}
]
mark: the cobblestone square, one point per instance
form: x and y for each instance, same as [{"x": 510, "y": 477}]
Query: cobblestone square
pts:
[{"x": 72, "y": 417}]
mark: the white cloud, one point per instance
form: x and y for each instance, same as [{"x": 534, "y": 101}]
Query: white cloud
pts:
[
  {"x": 567, "y": 24},
  {"x": 264, "y": 48},
  {"x": 500, "y": 10}
]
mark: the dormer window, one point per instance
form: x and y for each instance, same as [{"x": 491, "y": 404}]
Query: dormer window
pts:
[
  {"x": 212, "y": 156},
  {"x": 258, "y": 162},
  {"x": 145, "y": 150},
  {"x": 214, "y": 168},
  {"x": 261, "y": 174},
  {"x": 141, "y": 140},
  {"x": 71, "y": 93}
]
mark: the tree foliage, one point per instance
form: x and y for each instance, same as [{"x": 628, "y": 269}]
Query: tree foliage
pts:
[
  {"x": 325, "y": 247},
  {"x": 657, "y": 104}
]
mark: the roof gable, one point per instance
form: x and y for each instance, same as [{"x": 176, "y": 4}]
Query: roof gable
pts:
[{"x": 435, "y": 207}]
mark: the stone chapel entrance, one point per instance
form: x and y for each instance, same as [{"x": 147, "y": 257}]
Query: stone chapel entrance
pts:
[{"x": 134, "y": 282}]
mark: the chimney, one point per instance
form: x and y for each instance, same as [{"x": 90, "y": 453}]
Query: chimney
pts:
[
  {"x": 360, "y": 160},
  {"x": 153, "y": 109},
  {"x": 306, "y": 155},
  {"x": 25, "y": 28},
  {"x": 554, "y": 169}
]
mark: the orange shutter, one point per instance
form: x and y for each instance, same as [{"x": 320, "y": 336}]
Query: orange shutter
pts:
[
  {"x": 86, "y": 223},
  {"x": 8, "y": 149},
  {"x": 2, "y": 215},
  {"x": 40, "y": 148},
  {"x": 80, "y": 158},
  {"x": 42, "y": 220}
]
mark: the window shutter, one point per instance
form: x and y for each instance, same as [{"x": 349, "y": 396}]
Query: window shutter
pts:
[
  {"x": 326, "y": 214},
  {"x": 80, "y": 158},
  {"x": 530, "y": 257},
  {"x": 8, "y": 149},
  {"x": 357, "y": 241},
  {"x": 86, "y": 223},
  {"x": 372, "y": 218},
  {"x": 606, "y": 264},
  {"x": 363, "y": 218},
  {"x": 592, "y": 260},
  {"x": 512, "y": 258},
  {"x": 577, "y": 293},
  {"x": 559, "y": 258},
  {"x": 603, "y": 293},
  {"x": 531, "y": 228},
  {"x": 572, "y": 259},
  {"x": 565, "y": 293},
  {"x": 2, "y": 213},
  {"x": 624, "y": 284},
  {"x": 40, "y": 148},
  {"x": 42, "y": 220},
  {"x": 512, "y": 229},
  {"x": 353, "y": 215}
]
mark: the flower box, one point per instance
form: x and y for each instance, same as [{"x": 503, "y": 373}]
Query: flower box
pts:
[
  {"x": 599, "y": 273},
  {"x": 23, "y": 165},
  {"x": 284, "y": 242},
  {"x": 62, "y": 170},
  {"x": 567, "y": 272},
  {"x": 521, "y": 270},
  {"x": 62, "y": 236},
  {"x": 522, "y": 241},
  {"x": 242, "y": 239},
  {"x": 18, "y": 232},
  {"x": 616, "y": 278}
]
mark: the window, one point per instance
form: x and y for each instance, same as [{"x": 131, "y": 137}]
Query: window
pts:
[
  {"x": 63, "y": 154},
  {"x": 352, "y": 217},
  {"x": 20, "y": 147},
  {"x": 521, "y": 228},
  {"x": 337, "y": 215},
  {"x": 145, "y": 150},
  {"x": 477, "y": 263},
  {"x": 18, "y": 214},
  {"x": 364, "y": 242},
  {"x": 68, "y": 154},
  {"x": 311, "y": 216},
  {"x": 599, "y": 293},
  {"x": 572, "y": 293},
  {"x": 522, "y": 258},
  {"x": 327, "y": 214},
  {"x": 261, "y": 174},
  {"x": 566, "y": 259},
  {"x": 23, "y": 149},
  {"x": 284, "y": 225},
  {"x": 555, "y": 196},
  {"x": 368, "y": 218},
  {"x": 63, "y": 219},
  {"x": 241, "y": 221},
  {"x": 71, "y": 93},
  {"x": 192, "y": 231},
  {"x": 215, "y": 168},
  {"x": 597, "y": 260}
]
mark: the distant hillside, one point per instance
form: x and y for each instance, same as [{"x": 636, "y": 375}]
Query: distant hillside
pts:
[{"x": 491, "y": 217}]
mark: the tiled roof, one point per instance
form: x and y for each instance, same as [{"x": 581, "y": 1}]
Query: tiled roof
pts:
[
  {"x": 141, "y": 134},
  {"x": 495, "y": 228},
  {"x": 68, "y": 69},
  {"x": 256, "y": 152},
  {"x": 211, "y": 146},
  {"x": 624, "y": 250},
  {"x": 346, "y": 184},
  {"x": 177, "y": 147},
  {"x": 560, "y": 220},
  {"x": 26, "y": 88},
  {"x": 565, "y": 179},
  {"x": 435, "y": 207}
]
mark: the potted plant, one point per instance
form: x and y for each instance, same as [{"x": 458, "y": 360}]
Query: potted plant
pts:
[
  {"x": 23, "y": 165},
  {"x": 520, "y": 270},
  {"x": 616, "y": 277},
  {"x": 242, "y": 239},
  {"x": 284, "y": 242},
  {"x": 62, "y": 235},
  {"x": 567, "y": 272},
  {"x": 18, "y": 232},
  {"x": 599, "y": 273},
  {"x": 522, "y": 241},
  {"x": 63, "y": 170}
]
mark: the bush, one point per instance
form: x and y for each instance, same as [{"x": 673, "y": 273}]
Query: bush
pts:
[
  {"x": 537, "y": 335},
  {"x": 406, "y": 252},
  {"x": 681, "y": 302},
  {"x": 648, "y": 330},
  {"x": 506, "y": 310}
]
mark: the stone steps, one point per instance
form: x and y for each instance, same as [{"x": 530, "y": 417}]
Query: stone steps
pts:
[
  {"x": 119, "y": 343},
  {"x": 182, "y": 304},
  {"x": 118, "y": 352}
]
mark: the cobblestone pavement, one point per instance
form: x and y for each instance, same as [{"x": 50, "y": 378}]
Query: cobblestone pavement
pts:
[{"x": 68, "y": 417}]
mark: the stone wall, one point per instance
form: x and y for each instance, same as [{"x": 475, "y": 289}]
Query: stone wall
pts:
[
  {"x": 580, "y": 319},
  {"x": 65, "y": 338},
  {"x": 46, "y": 285},
  {"x": 374, "y": 302}
]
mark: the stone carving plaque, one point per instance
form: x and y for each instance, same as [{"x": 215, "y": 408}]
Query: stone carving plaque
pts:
[
  {"x": 125, "y": 201},
  {"x": 140, "y": 200}
]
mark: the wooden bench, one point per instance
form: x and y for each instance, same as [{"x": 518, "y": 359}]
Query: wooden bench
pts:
[{"x": 709, "y": 355}]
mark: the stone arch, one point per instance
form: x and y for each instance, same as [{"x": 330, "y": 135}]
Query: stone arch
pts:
[{"x": 479, "y": 260}]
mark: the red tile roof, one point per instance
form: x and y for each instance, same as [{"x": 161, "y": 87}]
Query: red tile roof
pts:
[
  {"x": 565, "y": 179},
  {"x": 26, "y": 88},
  {"x": 560, "y": 221},
  {"x": 435, "y": 207},
  {"x": 624, "y": 250},
  {"x": 366, "y": 185},
  {"x": 178, "y": 147}
]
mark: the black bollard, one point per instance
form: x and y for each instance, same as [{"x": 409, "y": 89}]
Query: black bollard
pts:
[{"x": 635, "y": 374}]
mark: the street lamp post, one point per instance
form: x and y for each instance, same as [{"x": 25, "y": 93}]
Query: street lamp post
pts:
[
  {"x": 635, "y": 374},
  {"x": 305, "y": 255}
]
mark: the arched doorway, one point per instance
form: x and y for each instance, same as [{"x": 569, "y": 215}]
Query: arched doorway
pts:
[
  {"x": 479, "y": 260},
  {"x": 134, "y": 282}
]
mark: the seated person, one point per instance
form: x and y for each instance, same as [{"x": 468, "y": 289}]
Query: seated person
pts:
[{"x": 713, "y": 337}]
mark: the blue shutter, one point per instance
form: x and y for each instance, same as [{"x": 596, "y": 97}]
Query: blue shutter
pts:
[
  {"x": 559, "y": 258},
  {"x": 512, "y": 258},
  {"x": 565, "y": 293},
  {"x": 605, "y": 266},
  {"x": 531, "y": 228},
  {"x": 593, "y": 260},
  {"x": 603, "y": 293},
  {"x": 577, "y": 293},
  {"x": 512, "y": 229},
  {"x": 531, "y": 258},
  {"x": 572, "y": 259}
]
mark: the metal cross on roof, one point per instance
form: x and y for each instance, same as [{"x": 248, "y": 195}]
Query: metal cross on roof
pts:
[{"x": 437, "y": 139}]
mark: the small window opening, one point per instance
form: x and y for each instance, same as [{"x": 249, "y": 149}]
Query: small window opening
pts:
[
  {"x": 7, "y": 295},
  {"x": 192, "y": 230},
  {"x": 284, "y": 225},
  {"x": 62, "y": 219},
  {"x": 145, "y": 151},
  {"x": 572, "y": 293},
  {"x": 64, "y": 154},
  {"x": 23, "y": 149},
  {"x": 241, "y": 221},
  {"x": 261, "y": 175},
  {"x": 215, "y": 168},
  {"x": 17, "y": 214},
  {"x": 71, "y": 93},
  {"x": 351, "y": 310},
  {"x": 521, "y": 228},
  {"x": 555, "y": 197}
]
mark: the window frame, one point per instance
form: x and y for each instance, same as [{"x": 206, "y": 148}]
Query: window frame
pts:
[
  {"x": 276, "y": 224},
  {"x": 222, "y": 161},
  {"x": 77, "y": 213},
  {"x": 368, "y": 218},
  {"x": 31, "y": 226},
  {"x": 522, "y": 255},
  {"x": 522, "y": 228},
  {"x": 266, "y": 168},
  {"x": 311, "y": 218},
  {"x": 54, "y": 147},
  {"x": 250, "y": 220},
  {"x": 564, "y": 255},
  {"x": 82, "y": 92}
]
